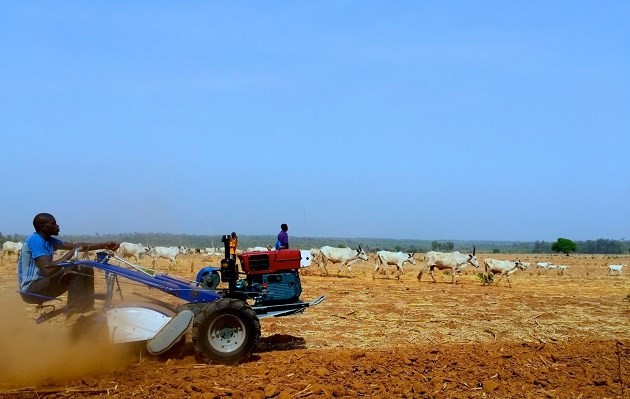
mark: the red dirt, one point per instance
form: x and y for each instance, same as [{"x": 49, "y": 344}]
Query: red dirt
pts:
[{"x": 549, "y": 336}]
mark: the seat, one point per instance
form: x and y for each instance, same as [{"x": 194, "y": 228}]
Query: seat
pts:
[
  {"x": 36, "y": 299},
  {"x": 39, "y": 301}
]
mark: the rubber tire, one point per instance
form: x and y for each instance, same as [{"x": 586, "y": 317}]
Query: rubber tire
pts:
[{"x": 212, "y": 339}]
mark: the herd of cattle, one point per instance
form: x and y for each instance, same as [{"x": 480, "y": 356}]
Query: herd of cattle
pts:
[{"x": 345, "y": 257}]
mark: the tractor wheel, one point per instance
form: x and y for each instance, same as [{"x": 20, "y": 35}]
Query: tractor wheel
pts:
[{"x": 225, "y": 331}]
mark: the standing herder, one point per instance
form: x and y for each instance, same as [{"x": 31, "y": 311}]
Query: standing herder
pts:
[
  {"x": 233, "y": 245},
  {"x": 283, "y": 237}
]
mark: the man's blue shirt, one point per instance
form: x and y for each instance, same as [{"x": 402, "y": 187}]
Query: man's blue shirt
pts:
[{"x": 34, "y": 247}]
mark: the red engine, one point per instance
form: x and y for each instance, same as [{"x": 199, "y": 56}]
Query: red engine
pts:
[{"x": 265, "y": 262}]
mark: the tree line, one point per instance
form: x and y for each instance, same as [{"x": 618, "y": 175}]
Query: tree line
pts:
[{"x": 599, "y": 246}]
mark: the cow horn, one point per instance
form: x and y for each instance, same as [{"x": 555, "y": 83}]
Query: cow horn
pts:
[{"x": 474, "y": 250}]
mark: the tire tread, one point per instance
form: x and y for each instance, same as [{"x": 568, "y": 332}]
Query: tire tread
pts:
[{"x": 199, "y": 331}]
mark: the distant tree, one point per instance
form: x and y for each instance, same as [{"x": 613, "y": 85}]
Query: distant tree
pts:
[
  {"x": 601, "y": 246},
  {"x": 447, "y": 246},
  {"x": 541, "y": 247},
  {"x": 496, "y": 251},
  {"x": 564, "y": 245}
]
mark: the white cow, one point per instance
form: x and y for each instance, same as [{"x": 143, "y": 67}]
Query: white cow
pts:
[
  {"x": 259, "y": 249},
  {"x": 129, "y": 250},
  {"x": 615, "y": 268},
  {"x": 455, "y": 261},
  {"x": 316, "y": 256},
  {"x": 170, "y": 253},
  {"x": 10, "y": 247},
  {"x": 212, "y": 251},
  {"x": 343, "y": 256},
  {"x": 502, "y": 267},
  {"x": 398, "y": 259},
  {"x": 543, "y": 265},
  {"x": 562, "y": 269}
]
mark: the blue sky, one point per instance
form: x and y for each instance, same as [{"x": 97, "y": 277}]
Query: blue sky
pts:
[{"x": 414, "y": 119}]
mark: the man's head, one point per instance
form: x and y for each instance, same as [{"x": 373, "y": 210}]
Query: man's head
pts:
[
  {"x": 233, "y": 234},
  {"x": 46, "y": 224},
  {"x": 284, "y": 227}
]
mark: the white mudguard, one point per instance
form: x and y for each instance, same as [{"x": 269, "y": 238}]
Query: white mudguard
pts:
[{"x": 136, "y": 322}]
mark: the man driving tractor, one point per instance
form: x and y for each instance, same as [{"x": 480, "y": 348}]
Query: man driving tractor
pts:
[{"x": 40, "y": 278}]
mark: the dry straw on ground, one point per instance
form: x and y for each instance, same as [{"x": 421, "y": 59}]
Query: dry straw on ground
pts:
[{"x": 549, "y": 335}]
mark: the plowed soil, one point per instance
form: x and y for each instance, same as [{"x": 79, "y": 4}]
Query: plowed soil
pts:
[{"x": 550, "y": 335}]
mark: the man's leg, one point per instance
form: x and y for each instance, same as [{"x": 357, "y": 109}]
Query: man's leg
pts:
[
  {"x": 80, "y": 289},
  {"x": 78, "y": 281},
  {"x": 51, "y": 286}
]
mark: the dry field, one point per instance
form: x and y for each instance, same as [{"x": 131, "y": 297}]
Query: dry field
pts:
[{"x": 549, "y": 336}]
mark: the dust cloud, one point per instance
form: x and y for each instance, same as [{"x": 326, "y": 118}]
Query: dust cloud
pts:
[{"x": 37, "y": 354}]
